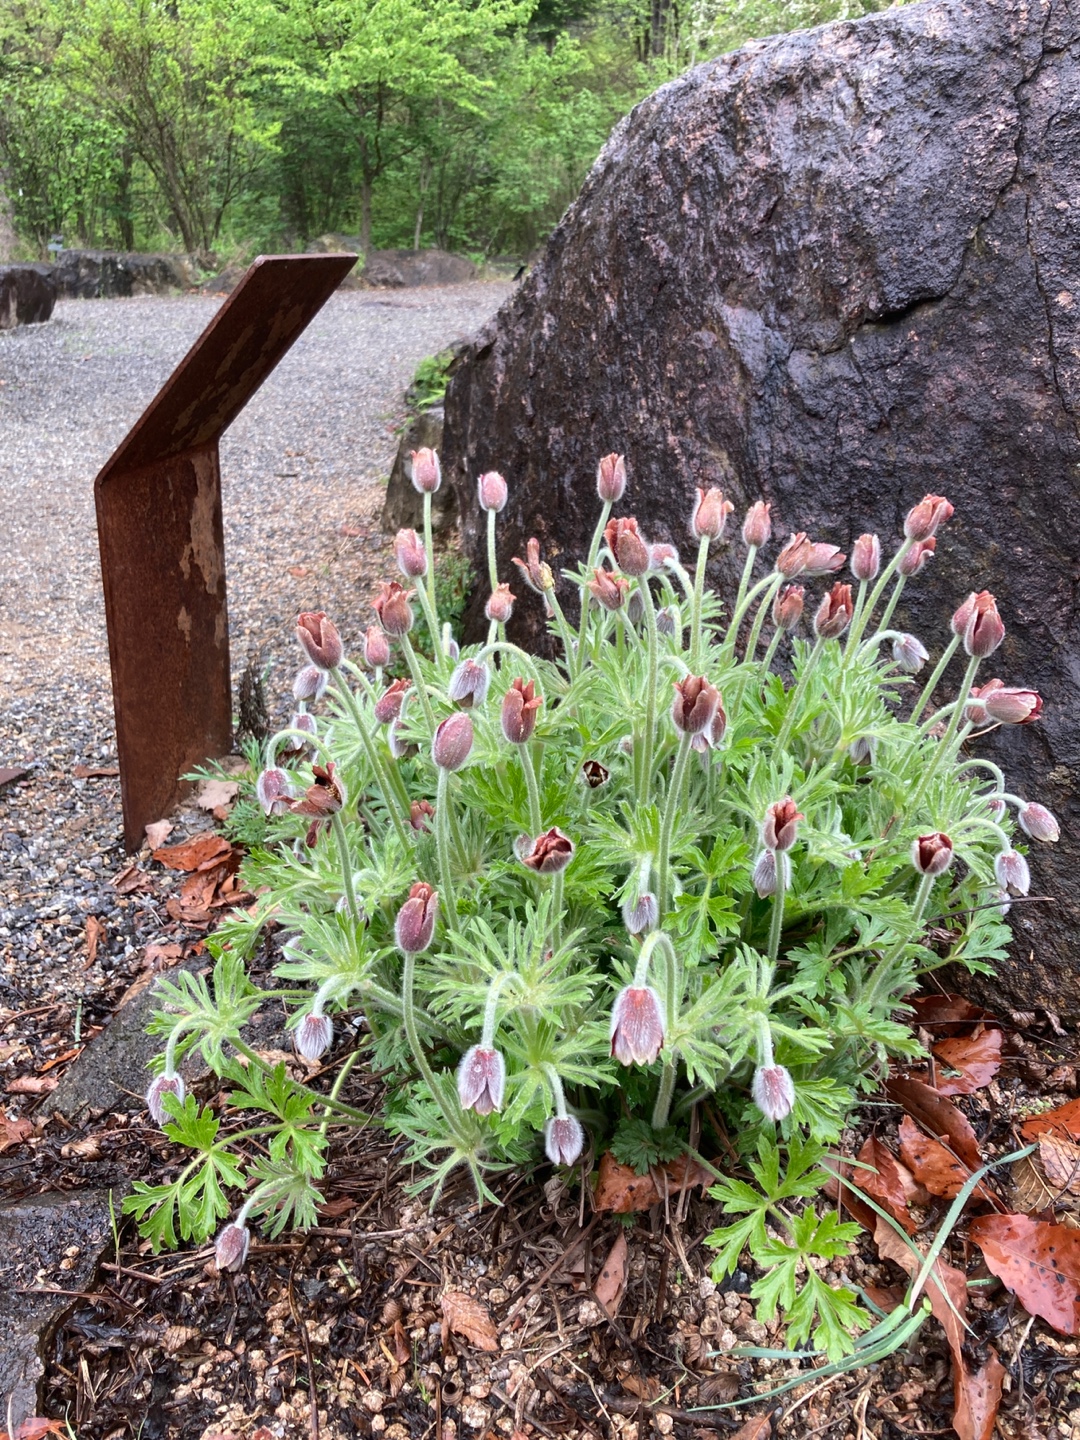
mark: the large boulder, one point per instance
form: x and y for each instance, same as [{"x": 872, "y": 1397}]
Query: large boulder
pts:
[
  {"x": 405, "y": 269},
  {"x": 837, "y": 269},
  {"x": 403, "y": 508},
  {"x": 27, "y": 294},
  {"x": 107, "y": 274}
]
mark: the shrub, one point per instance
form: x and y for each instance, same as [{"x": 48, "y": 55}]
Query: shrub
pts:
[{"x": 574, "y": 899}]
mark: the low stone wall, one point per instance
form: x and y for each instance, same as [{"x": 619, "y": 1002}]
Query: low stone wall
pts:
[{"x": 107, "y": 274}]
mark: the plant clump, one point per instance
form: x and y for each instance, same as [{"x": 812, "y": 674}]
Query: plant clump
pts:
[{"x": 678, "y": 881}]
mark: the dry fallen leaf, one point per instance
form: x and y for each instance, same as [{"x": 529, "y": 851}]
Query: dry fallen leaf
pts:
[
  {"x": 620, "y": 1189},
  {"x": 95, "y": 933},
  {"x": 1038, "y": 1261},
  {"x": 158, "y": 832},
  {"x": 938, "y": 1116},
  {"x": 947, "y": 1014},
  {"x": 14, "y": 1132},
  {"x": 1064, "y": 1122},
  {"x": 1060, "y": 1162},
  {"x": 88, "y": 1149},
  {"x": 933, "y": 1165},
  {"x": 471, "y": 1318},
  {"x": 35, "y": 1427},
  {"x": 32, "y": 1085},
  {"x": 216, "y": 794},
  {"x": 199, "y": 853},
  {"x": 162, "y": 954},
  {"x": 611, "y": 1282},
  {"x": 759, "y": 1428},
  {"x": 95, "y": 772},
  {"x": 131, "y": 879},
  {"x": 889, "y": 1182},
  {"x": 976, "y": 1058}
]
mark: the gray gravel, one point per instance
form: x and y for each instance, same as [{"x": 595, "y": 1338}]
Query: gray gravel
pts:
[{"x": 305, "y": 460}]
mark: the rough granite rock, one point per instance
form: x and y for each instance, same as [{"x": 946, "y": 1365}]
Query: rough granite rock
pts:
[
  {"x": 404, "y": 505},
  {"x": 27, "y": 294},
  {"x": 403, "y": 269},
  {"x": 105, "y": 274},
  {"x": 838, "y": 269}
]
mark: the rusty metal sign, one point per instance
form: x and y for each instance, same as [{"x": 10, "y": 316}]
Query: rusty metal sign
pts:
[{"x": 160, "y": 533}]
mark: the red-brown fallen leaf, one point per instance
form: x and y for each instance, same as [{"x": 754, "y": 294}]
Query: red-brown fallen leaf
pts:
[
  {"x": 334, "y": 1209},
  {"x": 611, "y": 1282},
  {"x": 1039, "y": 1262},
  {"x": 977, "y": 1395},
  {"x": 933, "y": 1165},
  {"x": 622, "y": 1190},
  {"x": 95, "y": 933},
  {"x": 14, "y": 1132},
  {"x": 885, "y": 1297},
  {"x": 157, "y": 832},
  {"x": 759, "y": 1428},
  {"x": 216, "y": 794},
  {"x": 471, "y": 1318},
  {"x": 95, "y": 772},
  {"x": 947, "y": 1014},
  {"x": 32, "y": 1085},
  {"x": 298, "y": 572},
  {"x": 162, "y": 955},
  {"x": 1063, "y": 1122},
  {"x": 938, "y": 1116},
  {"x": 1060, "y": 1161},
  {"x": 201, "y": 852},
  {"x": 61, "y": 1059},
  {"x": 889, "y": 1182},
  {"x": 976, "y": 1057},
  {"x": 131, "y": 879},
  {"x": 35, "y": 1427}
]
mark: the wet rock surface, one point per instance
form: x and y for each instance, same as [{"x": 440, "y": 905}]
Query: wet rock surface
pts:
[
  {"x": 403, "y": 269},
  {"x": 838, "y": 269},
  {"x": 112, "y": 274},
  {"x": 27, "y": 294}
]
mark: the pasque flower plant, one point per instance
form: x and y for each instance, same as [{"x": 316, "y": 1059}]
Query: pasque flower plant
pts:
[{"x": 694, "y": 862}]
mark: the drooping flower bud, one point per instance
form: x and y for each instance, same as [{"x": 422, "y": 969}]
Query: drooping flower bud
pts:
[
  {"x": 162, "y": 1085},
  {"x": 1038, "y": 822},
  {"x": 421, "y": 812},
  {"x": 1012, "y": 873},
  {"x": 660, "y": 554},
  {"x": 788, "y": 607},
  {"x": 643, "y": 916},
  {"x": 626, "y": 545},
  {"x": 564, "y": 1139},
  {"x": 594, "y": 774},
  {"x": 909, "y": 653},
  {"x": 774, "y": 1091},
  {"x": 801, "y": 556},
  {"x": 984, "y": 631},
  {"x": 667, "y": 621},
  {"x": 319, "y": 639},
  {"x": 923, "y": 519},
  {"x": 834, "y": 613},
  {"x": 469, "y": 683},
  {"x": 548, "y": 853},
  {"x": 313, "y": 1035},
  {"x": 962, "y": 614},
  {"x": 757, "y": 527},
  {"x": 500, "y": 605},
  {"x": 780, "y": 827},
  {"x": 712, "y": 737},
  {"x": 932, "y": 854},
  {"x": 376, "y": 648},
  {"x": 292, "y": 745},
  {"x": 391, "y": 605},
  {"x": 481, "y": 1080},
  {"x": 996, "y": 806},
  {"x": 450, "y": 648},
  {"x": 709, "y": 518},
  {"x": 310, "y": 683},
  {"x": 790, "y": 562},
  {"x": 415, "y": 923},
  {"x": 388, "y": 705},
  {"x": 537, "y": 573},
  {"x": 609, "y": 589},
  {"x": 866, "y": 557},
  {"x": 231, "y": 1247},
  {"x": 410, "y": 554},
  {"x": 637, "y": 1025},
  {"x": 274, "y": 791},
  {"x": 426, "y": 470},
  {"x": 611, "y": 478},
  {"x": 694, "y": 704},
  {"x": 492, "y": 491},
  {"x": 519, "y": 707},
  {"x": 400, "y": 746},
  {"x": 770, "y": 867},
  {"x": 452, "y": 742},
  {"x": 863, "y": 749},
  {"x": 1011, "y": 705},
  {"x": 918, "y": 557}
]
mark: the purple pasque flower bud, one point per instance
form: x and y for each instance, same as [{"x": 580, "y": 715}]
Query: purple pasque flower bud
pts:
[
  {"x": 771, "y": 867},
  {"x": 667, "y": 621},
  {"x": 313, "y": 1035},
  {"x": 231, "y": 1247},
  {"x": 310, "y": 683},
  {"x": 932, "y": 854},
  {"x": 694, "y": 704},
  {"x": 492, "y": 491},
  {"x": 319, "y": 639},
  {"x": 660, "y": 554},
  {"x": 709, "y": 517},
  {"x": 788, "y": 607},
  {"x": 774, "y": 1092},
  {"x": 415, "y": 923},
  {"x": 421, "y": 813},
  {"x": 452, "y": 742},
  {"x": 863, "y": 749},
  {"x": 637, "y": 1025},
  {"x": 626, "y": 545},
  {"x": 780, "y": 827},
  {"x": 866, "y": 557},
  {"x": 164, "y": 1084},
  {"x": 274, "y": 791},
  {"x": 536, "y": 573},
  {"x": 376, "y": 648},
  {"x": 469, "y": 683},
  {"x": 608, "y": 588},
  {"x": 909, "y": 654},
  {"x": 643, "y": 915},
  {"x": 1012, "y": 705},
  {"x": 712, "y": 737},
  {"x": 388, "y": 705},
  {"x": 962, "y": 614},
  {"x": 293, "y": 745},
  {"x": 834, "y": 613},
  {"x": 635, "y": 607},
  {"x": 564, "y": 1139},
  {"x": 1038, "y": 822},
  {"x": 500, "y": 605},
  {"x": 923, "y": 519},
  {"x": 481, "y": 1080},
  {"x": 450, "y": 648},
  {"x": 391, "y": 605},
  {"x": 757, "y": 527},
  {"x": 984, "y": 631},
  {"x": 519, "y": 707},
  {"x": 996, "y": 806},
  {"x": 611, "y": 478},
  {"x": 548, "y": 853},
  {"x": 400, "y": 746},
  {"x": 426, "y": 470},
  {"x": 918, "y": 557},
  {"x": 1012, "y": 873},
  {"x": 410, "y": 554}
]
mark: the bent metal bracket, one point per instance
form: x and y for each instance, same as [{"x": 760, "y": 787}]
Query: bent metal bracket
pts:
[{"x": 160, "y": 533}]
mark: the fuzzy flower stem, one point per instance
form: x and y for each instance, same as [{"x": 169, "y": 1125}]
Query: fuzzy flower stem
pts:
[
  {"x": 945, "y": 744},
  {"x": 983, "y": 823},
  {"x": 408, "y": 1006},
  {"x": 641, "y": 970},
  {"x": 439, "y": 657},
  {"x": 931, "y": 684},
  {"x": 650, "y": 697},
  {"x": 662, "y": 1107},
  {"x": 873, "y": 642},
  {"x": 859, "y": 622},
  {"x": 442, "y": 845},
  {"x": 338, "y": 1085},
  {"x": 346, "y": 865},
  {"x": 671, "y": 808},
  {"x": 728, "y": 648},
  {"x": 777, "y": 926},
  {"x": 894, "y": 598},
  {"x": 769, "y": 584},
  {"x": 556, "y": 909},
  {"x": 856, "y": 617},
  {"x": 493, "y": 568},
  {"x": 770, "y": 653},
  {"x": 797, "y": 697},
  {"x": 429, "y": 551},
  {"x": 418, "y": 683},
  {"x": 387, "y": 775},
  {"x": 994, "y": 770},
  {"x": 528, "y": 769},
  {"x": 171, "y": 1043},
  {"x": 683, "y": 578},
  {"x": 922, "y": 897},
  {"x": 507, "y": 647},
  {"x": 594, "y": 550},
  {"x": 571, "y": 655},
  {"x": 698, "y": 602},
  {"x": 491, "y": 1010},
  {"x": 557, "y": 1091},
  {"x": 290, "y": 732}
]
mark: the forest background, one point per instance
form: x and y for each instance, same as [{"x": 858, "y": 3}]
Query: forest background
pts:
[{"x": 226, "y": 127}]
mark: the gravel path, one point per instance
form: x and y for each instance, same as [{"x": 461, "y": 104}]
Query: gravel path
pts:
[{"x": 304, "y": 459}]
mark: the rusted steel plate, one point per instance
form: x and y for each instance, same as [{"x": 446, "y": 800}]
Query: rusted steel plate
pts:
[{"x": 160, "y": 533}]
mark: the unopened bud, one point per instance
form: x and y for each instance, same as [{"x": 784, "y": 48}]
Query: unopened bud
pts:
[
  {"x": 637, "y": 1025},
  {"x": 500, "y": 605},
  {"x": 866, "y": 557},
  {"x": 391, "y": 605},
  {"x": 376, "y": 648},
  {"x": 788, "y": 607},
  {"x": 709, "y": 518},
  {"x": 421, "y": 813},
  {"x": 519, "y": 707},
  {"x": 712, "y": 737},
  {"x": 924, "y": 518},
  {"x": 388, "y": 705},
  {"x": 415, "y": 923},
  {"x": 426, "y": 470},
  {"x": 231, "y": 1247},
  {"x": 771, "y": 869},
  {"x": 611, "y": 478},
  {"x": 932, "y": 854},
  {"x": 481, "y": 1080},
  {"x": 493, "y": 491},
  {"x": 909, "y": 654},
  {"x": 164, "y": 1084},
  {"x": 536, "y": 573},
  {"x": 917, "y": 558},
  {"x": 548, "y": 853},
  {"x": 661, "y": 554},
  {"x": 310, "y": 683},
  {"x": 608, "y": 588},
  {"x": 961, "y": 615},
  {"x": 774, "y": 1092},
  {"x": 453, "y": 741},
  {"x": 757, "y": 527},
  {"x": 626, "y": 545},
  {"x": 410, "y": 554},
  {"x": 834, "y": 613},
  {"x": 984, "y": 631},
  {"x": 1012, "y": 872},
  {"x": 694, "y": 705},
  {"x": 564, "y": 1139},
  {"x": 1038, "y": 822},
  {"x": 642, "y": 916},
  {"x": 780, "y": 827},
  {"x": 274, "y": 791},
  {"x": 469, "y": 683},
  {"x": 1012, "y": 705},
  {"x": 313, "y": 1035},
  {"x": 319, "y": 639},
  {"x": 667, "y": 621}
]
